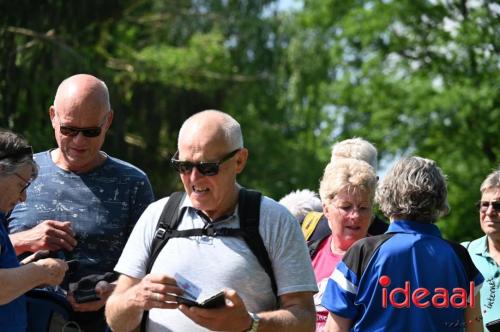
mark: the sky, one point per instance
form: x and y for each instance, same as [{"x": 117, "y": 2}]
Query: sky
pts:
[{"x": 290, "y": 4}]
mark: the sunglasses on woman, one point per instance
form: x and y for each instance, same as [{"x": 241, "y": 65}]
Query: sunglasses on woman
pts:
[{"x": 205, "y": 168}]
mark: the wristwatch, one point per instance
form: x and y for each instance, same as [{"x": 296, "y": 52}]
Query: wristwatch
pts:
[{"x": 255, "y": 322}]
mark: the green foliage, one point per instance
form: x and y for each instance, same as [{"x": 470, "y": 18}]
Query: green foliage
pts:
[
  {"x": 198, "y": 66},
  {"x": 414, "y": 77},
  {"x": 420, "y": 78}
]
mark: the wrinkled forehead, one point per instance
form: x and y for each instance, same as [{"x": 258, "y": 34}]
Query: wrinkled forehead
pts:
[
  {"x": 80, "y": 118},
  {"x": 202, "y": 143},
  {"x": 81, "y": 100},
  {"x": 491, "y": 194}
]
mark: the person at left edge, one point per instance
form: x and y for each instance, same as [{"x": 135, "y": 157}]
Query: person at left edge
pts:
[
  {"x": 17, "y": 170},
  {"x": 84, "y": 202}
]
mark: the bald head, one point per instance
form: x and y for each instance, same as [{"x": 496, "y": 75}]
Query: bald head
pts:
[
  {"x": 81, "y": 102},
  {"x": 212, "y": 137},
  {"x": 216, "y": 126},
  {"x": 84, "y": 92}
]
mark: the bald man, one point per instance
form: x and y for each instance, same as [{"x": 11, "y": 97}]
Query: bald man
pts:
[
  {"x": 84, "y": 203},
  {"x": 210, "y": 156}
]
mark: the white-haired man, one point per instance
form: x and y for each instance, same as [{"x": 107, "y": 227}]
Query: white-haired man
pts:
[{"x": 210, "y": 156}]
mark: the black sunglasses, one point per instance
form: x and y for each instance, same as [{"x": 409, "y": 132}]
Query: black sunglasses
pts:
[
  {"x": 484, "y": 205},
  {"x": 87, "y": 132},
  {"x": 73, "y": 131},
  {"x": 205, "y": 168}
]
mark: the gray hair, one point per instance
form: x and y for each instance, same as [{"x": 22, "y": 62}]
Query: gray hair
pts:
[
  {"x": 15, "y": 152},
  {"x": 301, "y": 202},
  {"x": 230, "y": 128},
  {"x": 414, "y": 189},
  {"x": 350, "y": 174},
  {"x": 355, "y": 148},
  {"x": 492, "y": 181}
]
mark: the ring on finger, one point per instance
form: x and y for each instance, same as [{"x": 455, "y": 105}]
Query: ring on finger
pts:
[{"x": 157, "y": 296}]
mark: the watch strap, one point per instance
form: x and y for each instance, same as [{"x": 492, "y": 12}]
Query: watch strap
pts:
[{"x": 255, "y": 322}]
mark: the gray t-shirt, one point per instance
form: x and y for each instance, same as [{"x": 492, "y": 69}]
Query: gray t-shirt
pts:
[{"x": 214, "y": 263}]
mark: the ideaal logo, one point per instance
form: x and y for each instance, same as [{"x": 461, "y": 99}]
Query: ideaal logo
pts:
[{"x": 440, "y": 297}]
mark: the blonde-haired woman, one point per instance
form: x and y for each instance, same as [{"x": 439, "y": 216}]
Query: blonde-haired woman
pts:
[{"x": 347, "y": 190}]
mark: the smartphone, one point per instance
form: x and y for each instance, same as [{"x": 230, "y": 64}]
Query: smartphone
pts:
[
  {"x": 493, "y": 326},
  {"x": 215, "y": 301}
]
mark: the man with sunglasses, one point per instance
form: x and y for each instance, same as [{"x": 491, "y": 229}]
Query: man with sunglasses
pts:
[
  {"x": 485, "y": 251},
  {"x": 209, "y": 158},
  {"x": 84, "y": 203}
]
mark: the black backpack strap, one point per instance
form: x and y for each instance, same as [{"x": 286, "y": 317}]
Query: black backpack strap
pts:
[
  {"x": 321, "y": 232},
  {"x": 312, "y": 246},
  {"x": 169, "y": 220},
  {"x": 249, "y": 213}
]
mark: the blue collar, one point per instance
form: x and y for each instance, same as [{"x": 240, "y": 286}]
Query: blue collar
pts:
[{"x": 408, "y": 226}]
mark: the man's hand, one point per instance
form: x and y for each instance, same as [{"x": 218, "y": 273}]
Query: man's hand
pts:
[
  {"x": 232, "y": 317},
  {"x": 296, "y": 313},
  {"x": 52, "y": 270},
  {"x": 49, "y": 235},
  {"x": 132, "y": 296},
  {"x": 155, "y": 291}
]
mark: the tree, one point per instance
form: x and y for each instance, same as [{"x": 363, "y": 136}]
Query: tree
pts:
[
  {"x": 163, "y": 61},
  {"x": 418, "y": 77},
  {"x": 414, "y": 77}
]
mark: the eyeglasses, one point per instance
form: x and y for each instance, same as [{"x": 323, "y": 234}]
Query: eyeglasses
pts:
[
  {"x": 351, "y": 208},
  {"x": 87, "y": 132},
  {"x": 27, "y": 183},
  {"x": 205, "y": 168},
  {"x": 484, "y": 205}
]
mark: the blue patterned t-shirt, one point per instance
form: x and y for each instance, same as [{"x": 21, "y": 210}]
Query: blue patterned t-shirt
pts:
[{"x": 102, "y": 205}]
